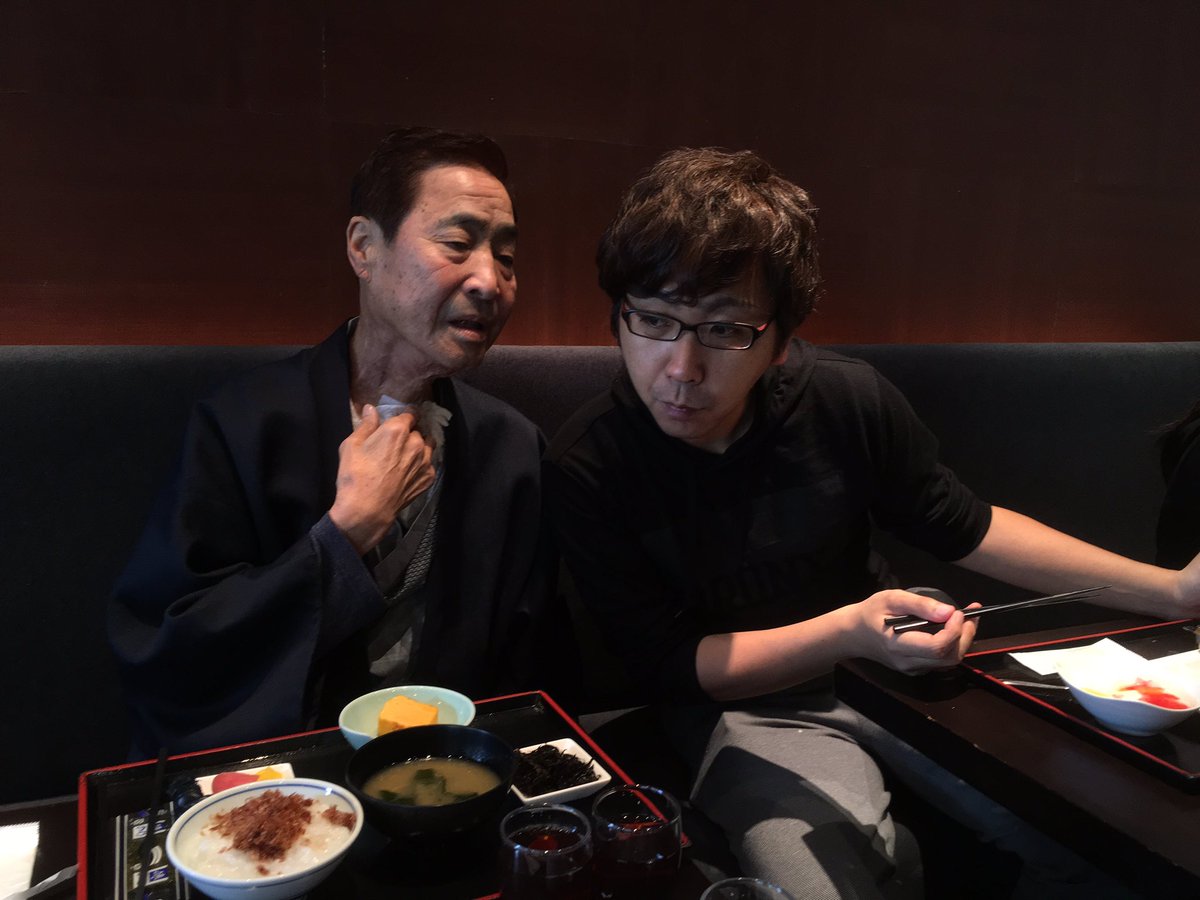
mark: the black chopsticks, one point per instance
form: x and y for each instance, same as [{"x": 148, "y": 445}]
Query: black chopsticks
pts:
[
  {"x": 901, "y": 624},
  {"x": 157, "y": 797}
]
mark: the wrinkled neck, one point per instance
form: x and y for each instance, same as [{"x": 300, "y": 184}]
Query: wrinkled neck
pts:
[{"x": 379, "y": 367}]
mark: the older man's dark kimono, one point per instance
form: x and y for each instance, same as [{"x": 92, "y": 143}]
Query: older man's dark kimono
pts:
[{"x": 244, "y": 612}]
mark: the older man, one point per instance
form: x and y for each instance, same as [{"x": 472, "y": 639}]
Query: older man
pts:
[
  {"x": 715, "y": 509},
  {"x": 352, "y": 516}
]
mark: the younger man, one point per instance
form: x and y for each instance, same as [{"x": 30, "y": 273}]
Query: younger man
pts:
[{"x": 715, "y": 511}]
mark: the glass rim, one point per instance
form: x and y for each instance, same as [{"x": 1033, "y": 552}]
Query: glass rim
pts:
[
  {"x": 585, "y": 830},
  {"x": 672, "y": 817},
  {"x": 774, "y": 889}
]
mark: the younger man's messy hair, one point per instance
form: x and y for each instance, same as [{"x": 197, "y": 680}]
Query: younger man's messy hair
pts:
[{"x": 700, "y": 220}]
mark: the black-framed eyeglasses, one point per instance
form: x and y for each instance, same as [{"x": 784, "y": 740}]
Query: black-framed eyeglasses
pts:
[{"x": 718, "y": 335}]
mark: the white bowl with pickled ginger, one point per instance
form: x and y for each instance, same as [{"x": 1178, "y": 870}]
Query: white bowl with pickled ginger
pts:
[{"x": 1135, "y": 699}]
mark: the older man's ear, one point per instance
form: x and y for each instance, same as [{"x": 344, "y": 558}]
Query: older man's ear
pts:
[{"x": 362, "y": 236}]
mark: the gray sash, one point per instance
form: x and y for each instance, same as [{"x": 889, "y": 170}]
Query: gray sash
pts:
[
  {"x": 402, "y": 565},
  {"x": 388, "y": 560}
]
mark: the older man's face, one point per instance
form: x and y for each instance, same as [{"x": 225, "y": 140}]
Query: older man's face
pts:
[{"x": 440, "y": 292}]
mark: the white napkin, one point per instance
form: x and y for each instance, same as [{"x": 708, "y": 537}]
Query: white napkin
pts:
[
  {"x": 1181, "y": 670},
  {"x": 1104, "y": 651},
  {"x": 18, "y": 846},
  {"x": 431, "y": 421}
]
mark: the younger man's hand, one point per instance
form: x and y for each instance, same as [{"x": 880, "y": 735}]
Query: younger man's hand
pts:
[{"x": 912, "y": 652}]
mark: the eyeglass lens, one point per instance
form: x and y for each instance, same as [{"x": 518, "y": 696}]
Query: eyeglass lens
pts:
[{"x": 719, "y": 335}]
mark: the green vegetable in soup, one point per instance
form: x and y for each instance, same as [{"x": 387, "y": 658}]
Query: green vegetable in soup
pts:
[{"x": 432, "y": 781}]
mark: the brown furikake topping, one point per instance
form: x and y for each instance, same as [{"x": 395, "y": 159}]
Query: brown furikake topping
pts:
[{"x": 267, "y": 826}]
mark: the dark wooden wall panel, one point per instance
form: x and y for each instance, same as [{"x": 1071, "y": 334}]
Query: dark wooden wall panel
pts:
[{"x": 987, "y": 170}]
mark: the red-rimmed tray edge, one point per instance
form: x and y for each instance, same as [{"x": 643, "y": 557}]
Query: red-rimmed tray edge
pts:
[
  {"x": 1192, "y": 778},
  {"x": 81, "y": 852}
]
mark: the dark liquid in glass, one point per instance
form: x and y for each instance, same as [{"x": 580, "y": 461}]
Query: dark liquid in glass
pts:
[
  {"x": 638, "y": 865},
  {"x": 564, "y": 877}
]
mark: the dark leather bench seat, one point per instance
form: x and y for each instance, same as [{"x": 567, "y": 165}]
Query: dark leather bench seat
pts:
[{"x": 1064, "y": 432}]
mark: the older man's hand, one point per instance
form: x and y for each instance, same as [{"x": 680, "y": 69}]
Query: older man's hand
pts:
[{"x": 382, "y": 467}]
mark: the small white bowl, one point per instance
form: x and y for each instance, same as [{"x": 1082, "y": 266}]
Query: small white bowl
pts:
[
  {"x": 568, "y": 746},
  {"x": 182, "y": 838},
  {"x": 359, "y": 719},
  {"x": 1093, "y": 687}
]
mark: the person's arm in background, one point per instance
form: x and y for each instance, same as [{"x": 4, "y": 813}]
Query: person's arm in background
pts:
[{"x": 1178, "y": 533}]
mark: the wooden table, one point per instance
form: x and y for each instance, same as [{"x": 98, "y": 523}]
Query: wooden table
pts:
[
  {"x": 1131, "y": 823},
  {"x": 56, "y": 819}
]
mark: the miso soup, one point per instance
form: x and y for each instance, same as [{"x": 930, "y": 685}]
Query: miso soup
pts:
[{"x": 434, "y": 781}]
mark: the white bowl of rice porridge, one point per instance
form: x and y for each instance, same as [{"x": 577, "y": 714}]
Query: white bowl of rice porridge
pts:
[{"x": 268, "y": 840}]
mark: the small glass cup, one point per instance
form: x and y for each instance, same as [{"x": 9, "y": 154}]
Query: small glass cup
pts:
[
  {"x": 545, "y": 851},
  {"x": 744, "y": 889},
  {"x": 637, "y": 842}
]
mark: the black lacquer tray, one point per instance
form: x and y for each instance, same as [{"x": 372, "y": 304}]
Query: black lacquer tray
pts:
[
  {"x": 1173, "y": 754},
  {"x": 375, "y": 866}
]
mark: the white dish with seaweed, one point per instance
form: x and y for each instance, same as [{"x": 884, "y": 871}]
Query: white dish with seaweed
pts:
[{"x": 600, "y": 778}]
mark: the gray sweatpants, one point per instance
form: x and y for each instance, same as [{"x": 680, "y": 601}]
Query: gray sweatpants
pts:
[{"x": 804, "y": 804}]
